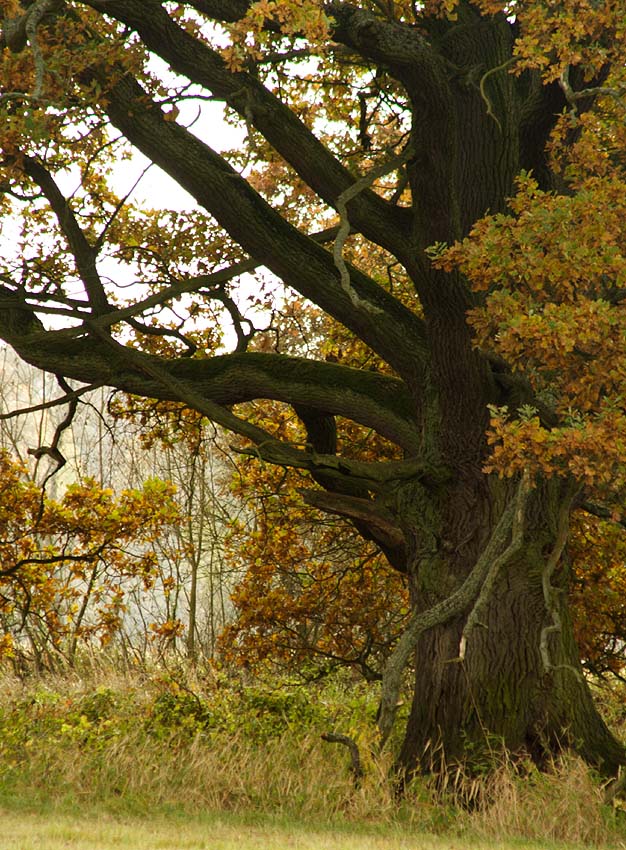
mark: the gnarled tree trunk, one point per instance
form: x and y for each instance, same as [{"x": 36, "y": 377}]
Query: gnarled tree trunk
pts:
[{"x": 504, "y": 670}]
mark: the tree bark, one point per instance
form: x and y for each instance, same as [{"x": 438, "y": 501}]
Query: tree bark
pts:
[{"x": 511, "y": 679}]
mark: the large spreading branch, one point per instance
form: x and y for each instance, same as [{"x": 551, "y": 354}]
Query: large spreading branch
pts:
[
  {"x": 379, "y": 220},
  {"x": 263, "y": 232},
  {"x": 374, "y": 400}
]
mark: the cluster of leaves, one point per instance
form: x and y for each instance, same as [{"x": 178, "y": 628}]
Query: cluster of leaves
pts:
[
  {"x": 68, "y": 564},
  {"x": 598, "y": 593},
  {"x": 313, "y": 597},
  {"x": 550, "y": 276},
  {"x": 250, "y": 36},
  {"x": 555, "y": 36}
]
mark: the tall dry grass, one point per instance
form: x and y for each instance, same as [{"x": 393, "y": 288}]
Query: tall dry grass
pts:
[
  {"x": 67, "y": 746},
  {"x": 109, "y": 742},
  {"x": 565, "y": 803}
]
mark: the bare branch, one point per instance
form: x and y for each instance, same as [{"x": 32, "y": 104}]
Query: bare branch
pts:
[
  {"x": 356, "y": 766},
  {"x": 53, "y": 451},
  {"x": 149, "y": 330},
  {"x": 573, "y": 97},
  {"x": 55, "y": 402}
]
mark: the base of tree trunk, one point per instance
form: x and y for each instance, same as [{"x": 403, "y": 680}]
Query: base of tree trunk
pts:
[{"x": 501, "y": 697}]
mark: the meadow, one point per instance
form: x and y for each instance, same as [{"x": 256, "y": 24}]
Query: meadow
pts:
[
  {"x": 94, "y": 831},
  {"x": 174, "y": 760}
]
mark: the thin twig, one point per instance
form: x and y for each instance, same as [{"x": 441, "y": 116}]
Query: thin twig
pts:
[{"x": 55, "y": 402}]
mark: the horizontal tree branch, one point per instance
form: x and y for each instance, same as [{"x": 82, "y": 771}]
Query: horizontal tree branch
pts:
[
  {"x": 377, "y": 401},
  {"x": 601, "y": 512},
  {"x": 55, "y": 559},
  {"x": 55, "y": 402}
]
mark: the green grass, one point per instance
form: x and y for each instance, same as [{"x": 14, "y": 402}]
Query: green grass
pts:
[{"x": 35, "y": 831}]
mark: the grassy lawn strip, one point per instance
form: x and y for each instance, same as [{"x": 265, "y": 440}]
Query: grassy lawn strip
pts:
[{"x": 91, "y": 831}]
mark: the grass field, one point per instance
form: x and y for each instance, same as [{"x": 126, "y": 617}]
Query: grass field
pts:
[
  {"x": 29, "y": 831},
  {"x": 155, "y": 764}
]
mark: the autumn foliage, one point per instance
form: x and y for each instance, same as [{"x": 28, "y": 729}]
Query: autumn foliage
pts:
[
  {"x": 69, "y": 564},
  {"x": 431, "y": 198},
  {"x": 312, "y": 597}
]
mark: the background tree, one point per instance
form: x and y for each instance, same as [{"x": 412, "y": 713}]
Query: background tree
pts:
[
  {"x": 405, "y": 124},
  {"x": 190, "y": 577},
  {"x": 68, "y": 565},
  {"x": 312, "y": 597}
]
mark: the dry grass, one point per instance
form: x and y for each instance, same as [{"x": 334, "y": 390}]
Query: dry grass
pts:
[
  {"x": 564, "y": 804},
  {"x": 59, "y": 756},
  {"x": 304, "y": 779},
  {"x": 107, "y": 833},
  {"x": 60, "y": 760}
]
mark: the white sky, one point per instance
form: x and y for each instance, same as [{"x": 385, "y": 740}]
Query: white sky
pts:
[{"x": 157, "y": 188}]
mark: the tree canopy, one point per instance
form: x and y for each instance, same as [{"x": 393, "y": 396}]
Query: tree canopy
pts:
[{"x": 444, "y": 181}]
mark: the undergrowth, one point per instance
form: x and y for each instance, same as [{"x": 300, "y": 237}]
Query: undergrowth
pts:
[{"x": 175, "y": 742}]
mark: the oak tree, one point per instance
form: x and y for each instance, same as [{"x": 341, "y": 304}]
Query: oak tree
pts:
[{"x": 445, "y": 181}]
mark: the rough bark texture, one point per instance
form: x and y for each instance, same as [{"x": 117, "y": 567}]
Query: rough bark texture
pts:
[{"x": 502, "y": 692}]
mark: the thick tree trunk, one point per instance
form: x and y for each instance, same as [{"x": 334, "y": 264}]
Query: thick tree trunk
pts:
[{"x": 514, "y": 679}]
